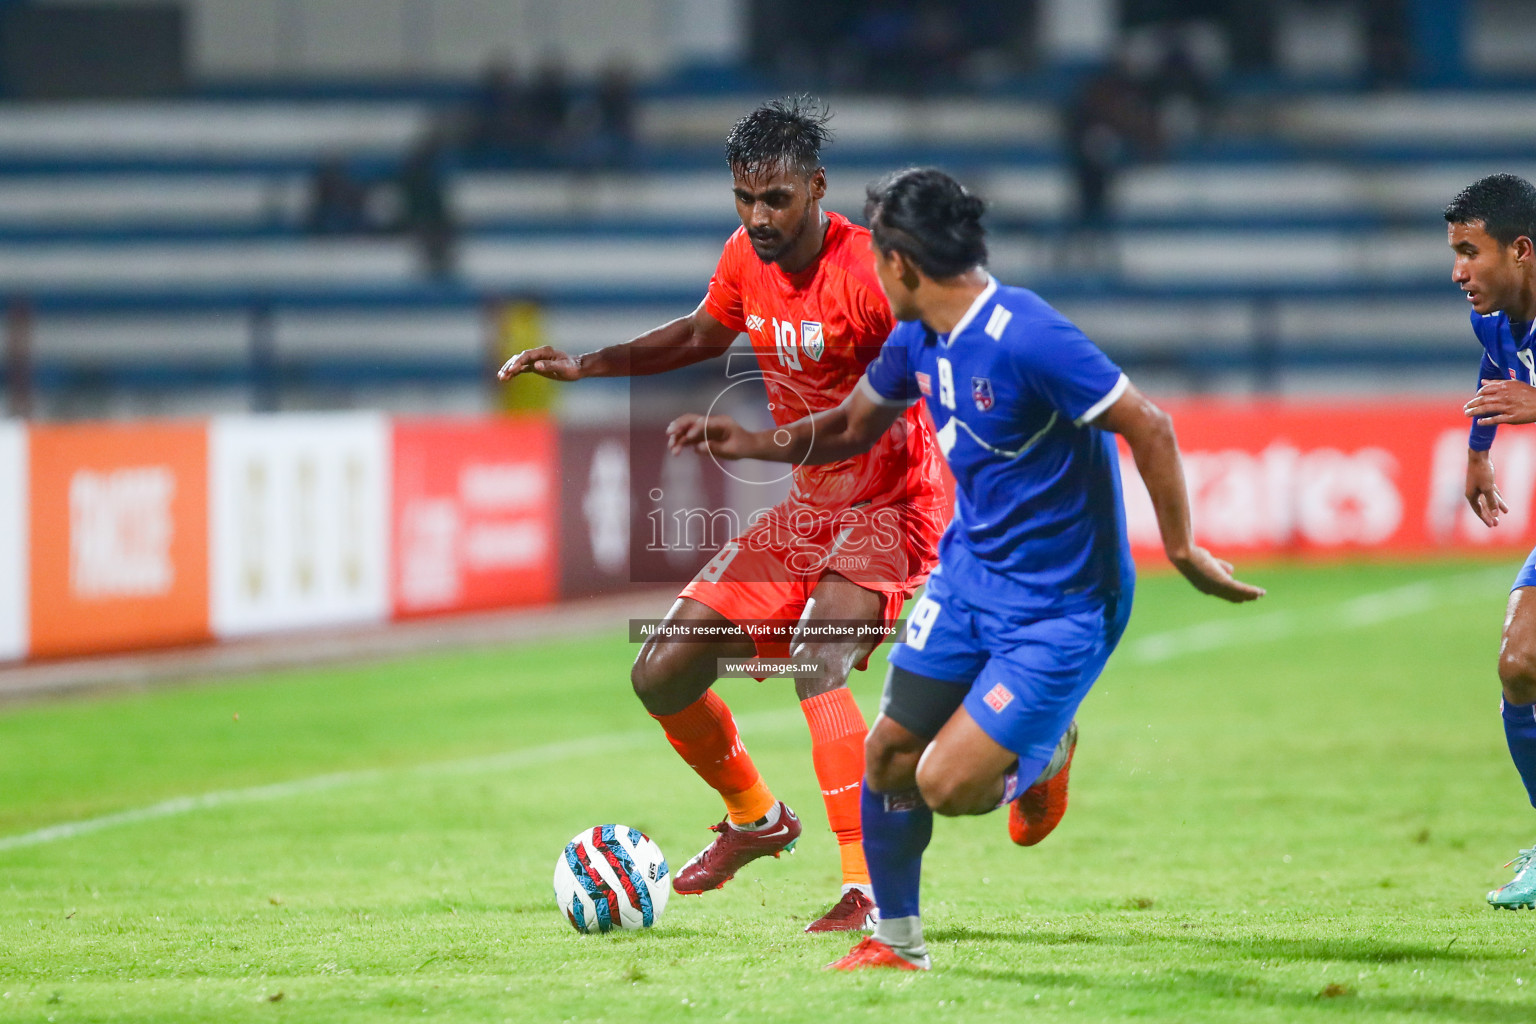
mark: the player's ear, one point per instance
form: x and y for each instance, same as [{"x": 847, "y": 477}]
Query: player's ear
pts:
[
  {"x": 819, "y": 183},
  {"x": 1525, "y": 252}
]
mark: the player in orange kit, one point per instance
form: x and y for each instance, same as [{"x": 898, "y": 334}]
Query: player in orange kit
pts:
[{"x": 852, "y": 542}]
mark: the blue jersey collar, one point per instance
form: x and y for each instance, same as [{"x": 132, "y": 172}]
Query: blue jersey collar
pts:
[{"x": 970, "y": 314}]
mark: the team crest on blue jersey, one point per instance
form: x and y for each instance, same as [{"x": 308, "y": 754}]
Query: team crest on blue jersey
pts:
[
  {"x": 924, "y": 384},
  {"x": 981, "y": 393},
  {"x": 812, "y": 342}
]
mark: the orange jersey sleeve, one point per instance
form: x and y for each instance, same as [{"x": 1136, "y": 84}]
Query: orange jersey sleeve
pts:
[{"x": 723, "y": 301}]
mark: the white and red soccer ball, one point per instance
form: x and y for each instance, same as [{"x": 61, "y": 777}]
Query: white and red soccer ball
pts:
[{"x": 611, "y": 876}]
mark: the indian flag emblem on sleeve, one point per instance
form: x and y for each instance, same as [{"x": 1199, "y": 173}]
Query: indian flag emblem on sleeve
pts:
[{"x": 812, "y": 342}]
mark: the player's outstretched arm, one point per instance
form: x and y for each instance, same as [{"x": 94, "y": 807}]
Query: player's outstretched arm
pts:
[
  {"x": 682, "y": 342},
  {"x": 1149, "y": 433},
  {"x": 848, "y": 429},
  {"x": 1482, "y": 495}
]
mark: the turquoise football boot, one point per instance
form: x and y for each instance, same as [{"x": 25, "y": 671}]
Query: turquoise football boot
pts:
[{"x": 1520, "y": 892}]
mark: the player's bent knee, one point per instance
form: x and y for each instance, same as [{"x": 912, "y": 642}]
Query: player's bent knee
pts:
[
  {"x": 944, "y": 798},
  {"x": 879, "y": 758},
  {"x": 947, "y": 795},
  {"x": 890, "y": 763},
  {"x": 1517, "y": 672},
  {"x": 660, "y": 680},
  {"x": 833, "y": 664},
  {"x": 643, "y": 679},
  {"x": 808, "y": 686}
]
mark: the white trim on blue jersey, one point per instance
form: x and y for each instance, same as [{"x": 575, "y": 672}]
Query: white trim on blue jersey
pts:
[
  {"x": 1098, "y": 408},
  {"x": 947, "y": 435},
  {"x": 970, "y": 314}
]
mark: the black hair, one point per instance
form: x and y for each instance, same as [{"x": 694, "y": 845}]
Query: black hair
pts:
[
  {"x": 930, "y": 218},
  {"x": 1505, "y": 203},
  {"x": 787, "y": 133}
]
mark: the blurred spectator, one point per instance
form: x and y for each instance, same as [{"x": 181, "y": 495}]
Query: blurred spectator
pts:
[
  {"x": 1180, "y": 87},
  {"x": 908, "y": 46},
  {"x": 1252, "y": 31},
  {"x": 424, "y": 212},
  {"x": 549, "y": 110},
  {"x": 601, "y": 126},
  {"x": 499, "y": 128},
  {"x": 616, "y": 111},
  {"x": 338, "y": 201},
  {"x": 547, "y": 121},
  {"x": 937, "y": 48},
  {"x": 1388, "y": 55},
  {"x": 1108, "y": 122},
  {"x": 880, "y": 37},
  {"x": 905, "y": 46}
]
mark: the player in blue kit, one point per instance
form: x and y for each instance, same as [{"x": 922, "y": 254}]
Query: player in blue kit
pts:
[
  {"x": 1491, "y": 226},
  {"x": 1035, "y": 580}
]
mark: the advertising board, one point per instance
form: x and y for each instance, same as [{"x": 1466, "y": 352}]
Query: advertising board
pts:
[
  {"x": 299, "y": 521},
  {"x": 13, "y": 540},
  {"x": 118, "y": 518},
  {"x": 1278, "y": 478},
  {"x": 474, "y": 514}
]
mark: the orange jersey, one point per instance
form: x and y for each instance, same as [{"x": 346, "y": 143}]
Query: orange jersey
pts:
[{"x": 814, "y": 332}]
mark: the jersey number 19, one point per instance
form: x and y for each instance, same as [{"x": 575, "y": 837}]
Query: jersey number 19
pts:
[{"x": 786, "y": 341}]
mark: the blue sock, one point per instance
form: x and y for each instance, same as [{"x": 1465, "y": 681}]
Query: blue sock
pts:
[
  {"x": 897, "y": 827},
  {"x": 1520, "y": 731}
]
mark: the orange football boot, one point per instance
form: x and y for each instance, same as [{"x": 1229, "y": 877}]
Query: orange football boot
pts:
[
  {"x": 1036, "y": 812},
  {"x": 871, "y": 952}
]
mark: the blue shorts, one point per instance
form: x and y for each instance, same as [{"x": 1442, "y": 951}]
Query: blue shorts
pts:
[
  {"x": 1527, "y": 576},
  {"x": 1025, "y": 673}
]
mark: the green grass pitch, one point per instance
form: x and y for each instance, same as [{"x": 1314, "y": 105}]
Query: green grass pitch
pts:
[{"x": 1285, "y": 812}]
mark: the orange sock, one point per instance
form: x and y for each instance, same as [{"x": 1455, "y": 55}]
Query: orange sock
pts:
[
  {"x": 704, "y": 733},
  {"x": 837, "y": 749}
]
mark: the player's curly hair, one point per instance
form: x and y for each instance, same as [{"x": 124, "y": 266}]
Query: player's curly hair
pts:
[
  {"x": 1505, "y": 203},
  {"x": 930, "y": 218},
  {"x": 788, "y": 133}
]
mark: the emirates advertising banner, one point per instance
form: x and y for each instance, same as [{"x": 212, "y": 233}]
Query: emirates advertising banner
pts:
[
  {"x": 1277, "y": 478},
  {"x": 474, "y": 507},
  {"x": 13, "y": 540},
  {"x": 299, "y": 530}
]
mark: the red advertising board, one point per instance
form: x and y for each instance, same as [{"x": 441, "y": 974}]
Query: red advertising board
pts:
[
  {"x": 1339, "y": 477},
  {"x": 474, "y": 514}
]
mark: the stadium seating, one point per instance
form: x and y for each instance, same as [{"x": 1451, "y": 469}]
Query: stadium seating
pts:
[{"x": 170, "y": 232}]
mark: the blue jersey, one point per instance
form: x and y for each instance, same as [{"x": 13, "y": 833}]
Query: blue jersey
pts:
[
  {"x": 1505, "y": 357},
  {"x": 1039, "y": 522}
]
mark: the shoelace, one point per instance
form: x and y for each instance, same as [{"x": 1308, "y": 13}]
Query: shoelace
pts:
[{"x": 1522, "y": 859}]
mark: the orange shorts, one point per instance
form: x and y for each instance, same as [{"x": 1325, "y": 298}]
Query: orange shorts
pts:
[{"x": 767, "y": 574}]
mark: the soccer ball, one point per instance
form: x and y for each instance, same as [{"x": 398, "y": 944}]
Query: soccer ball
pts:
[{"x": 611, "y": 876}]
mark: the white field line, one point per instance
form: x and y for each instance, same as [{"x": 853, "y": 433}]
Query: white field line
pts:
[
  {"x": 1236, "y": 628},
  {"x": 1355, "y": 613},
  {"x": 769, "y": 720}
]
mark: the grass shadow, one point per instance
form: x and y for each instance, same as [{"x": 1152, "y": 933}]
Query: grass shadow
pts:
[
  {"x": 1355, "y": 950},
  {"x": 1218, "y": 986}
]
